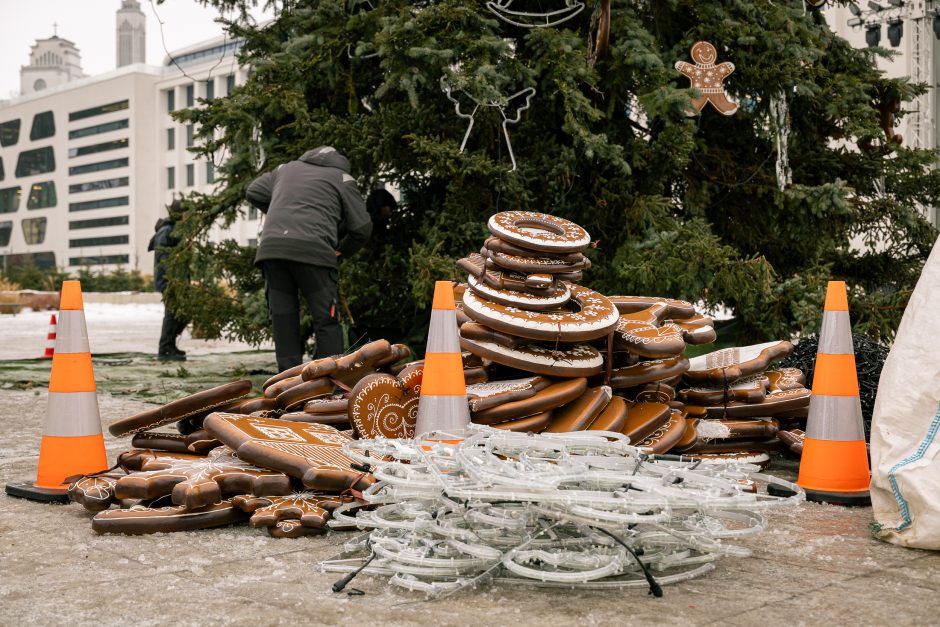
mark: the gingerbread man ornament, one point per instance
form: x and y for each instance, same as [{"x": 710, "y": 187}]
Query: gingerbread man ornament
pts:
[{"x": 708, "y": 77}]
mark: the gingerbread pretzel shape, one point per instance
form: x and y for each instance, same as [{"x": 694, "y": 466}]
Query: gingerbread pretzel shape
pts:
[{"x": 707, "y": 77}]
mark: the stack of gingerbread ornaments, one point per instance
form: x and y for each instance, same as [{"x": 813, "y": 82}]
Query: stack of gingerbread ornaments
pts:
[{"x": 543, "y": 354}]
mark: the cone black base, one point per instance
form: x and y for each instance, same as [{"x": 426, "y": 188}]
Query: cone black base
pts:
[
  {"x": 775, "y": 490},
  {"x": 839, "y": 498},
  {"x": 28, "y": 490}
]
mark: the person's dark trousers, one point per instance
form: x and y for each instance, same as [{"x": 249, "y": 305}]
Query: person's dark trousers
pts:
[
  {"x": 318, "y": 285},
  {"x": 172, "y": 327}
]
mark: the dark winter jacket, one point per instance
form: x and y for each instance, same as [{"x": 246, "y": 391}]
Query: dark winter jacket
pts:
[
  {"x": 161, "y": 243},
  {"x": 313, "y": 209}
]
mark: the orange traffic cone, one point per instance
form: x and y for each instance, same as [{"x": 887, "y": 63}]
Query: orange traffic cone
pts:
[
  {"x": 443, "y": 402},
  {"x": 50, "y": 339},
  {"x": 72, "y": 443},
  {"x": 834, "y": 464}
]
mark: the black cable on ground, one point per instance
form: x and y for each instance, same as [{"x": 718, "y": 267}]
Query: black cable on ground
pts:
[{"x": 655, "y": 589}]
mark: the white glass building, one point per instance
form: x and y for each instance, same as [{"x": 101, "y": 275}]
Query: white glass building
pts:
[{"x": 88, "y": 165}]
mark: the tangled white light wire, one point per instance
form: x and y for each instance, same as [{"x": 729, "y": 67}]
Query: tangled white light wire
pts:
[{"x": 575, "y": 510}]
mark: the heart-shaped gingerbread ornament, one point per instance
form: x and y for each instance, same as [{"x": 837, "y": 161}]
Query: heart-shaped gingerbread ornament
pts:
[{"x": 383, "y": 406}]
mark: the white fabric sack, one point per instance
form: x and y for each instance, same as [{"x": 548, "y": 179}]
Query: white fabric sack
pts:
[{"x": 905, "y": 431}]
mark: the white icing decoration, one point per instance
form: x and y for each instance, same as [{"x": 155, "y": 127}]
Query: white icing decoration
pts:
[
  {"x": 728, "y": 357},
  {"x": 485, "y": 390}
]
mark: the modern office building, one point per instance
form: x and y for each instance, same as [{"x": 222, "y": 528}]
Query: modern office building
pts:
[
  {"x": 911, "y": 29},
  {"x": 88, "y": 164}
]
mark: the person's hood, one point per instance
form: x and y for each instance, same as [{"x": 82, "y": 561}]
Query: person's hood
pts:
[
  {"x": 326, "y": 156},
  {"x": 162, "y": 222}
]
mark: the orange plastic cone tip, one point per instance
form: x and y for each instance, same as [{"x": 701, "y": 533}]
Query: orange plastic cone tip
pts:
[
  {"x": 72, "y": 372},
  {"x": 834, "y": 466},
  {"x": 836, "y": 297},
  {"x": 835, "y": 375},
  {"x": 443, "y": 375},
  {"x": 443, "y": 295},
  {"x": 71, "y": 296},
  {"x": 61, "y": 457}
]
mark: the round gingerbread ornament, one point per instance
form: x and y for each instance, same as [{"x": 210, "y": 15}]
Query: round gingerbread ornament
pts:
[{"x": 383, "y": 406}]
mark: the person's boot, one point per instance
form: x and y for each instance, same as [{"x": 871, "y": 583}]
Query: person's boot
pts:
[{"x": 171, "y": 355}]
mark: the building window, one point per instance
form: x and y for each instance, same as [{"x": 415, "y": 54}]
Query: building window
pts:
[
  {"x": 171, "y": 178},
  {"x": 98, "y": 128},
  {"x": 253, "y": 242},
  {"x": 210, "y": 172},
  {"x": 121, "y": 181},
  {"x": 210, "y": 89},
  {"x": 99, "y": 166},
  {"x": 39, "y": 85},
  {"x": 34, "y": 230},
  {"x": 120, "y": 201},
  {"x": 190, "y": 96},
  {"x": 252, "y": 212},
  {"x": 110, "y": 240},
  {"x": 229, "y": 84},
  {"x": 190, "y": 135},
  {"x": 94, "y": 223},
  {"x": 88, "y": 113},
  {"x": 190, "y": 174},
  {"x": 41, "y": 195},
  {"x": 10, "y": 199},
  {"x": 2, "y": 173},
  {"x": 9, "y": 132},
  {"x": 6, "y": 230},
  {"x": 93, "y": 148},
  {"x": 171, "y": 99},
  {"x": 43, "y": 126},
  {"x": 36, "y": 161},
  {"x": 99, "y": 260},
  {"x": 171, "y": 139}
]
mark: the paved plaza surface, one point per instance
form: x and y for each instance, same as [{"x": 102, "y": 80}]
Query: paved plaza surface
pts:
[{"x": 816, "y": 564}]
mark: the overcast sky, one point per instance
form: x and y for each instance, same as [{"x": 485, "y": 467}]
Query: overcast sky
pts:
[{"x": 90, "y": 24}]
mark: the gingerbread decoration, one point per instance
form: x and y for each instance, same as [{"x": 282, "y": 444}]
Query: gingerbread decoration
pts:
[
  {"x": 707, "y": 77},
  {"x": 141, "y": 519},
  {"x": 292, "y": 515},
  {"x": 383, "y": 406},
  {"x": 198, "y": 482},
  {"x": 96, "y": 492},
  {"x": 308, "y": 451}
]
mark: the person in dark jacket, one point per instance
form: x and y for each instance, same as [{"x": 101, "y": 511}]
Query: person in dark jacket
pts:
[
  {"x": 315, "y": 215},
  {"x": 162, "y": 244}
]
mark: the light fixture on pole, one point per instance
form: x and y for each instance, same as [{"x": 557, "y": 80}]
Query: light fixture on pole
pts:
[
  {"x": 873, "y": 35},
  {"x": 895, "y": 32},
  {"x": 854, "y": 8}
]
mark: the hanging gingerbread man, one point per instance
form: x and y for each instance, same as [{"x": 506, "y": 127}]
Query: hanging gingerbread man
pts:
[{"x": 707, "y": 78}]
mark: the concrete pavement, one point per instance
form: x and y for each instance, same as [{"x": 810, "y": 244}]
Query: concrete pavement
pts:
[{"x": 814, "y": 565}]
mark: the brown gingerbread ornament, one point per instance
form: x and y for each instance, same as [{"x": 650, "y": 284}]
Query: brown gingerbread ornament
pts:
[
  {"x": 201, "y": 481},
  {"x": 707, "y": 77},
  {"x": 383, "y": 406},
  {"x": 141, "y": 519},
  {"x": 308, "y": 451},
  {"x": 291, "y": 515}
]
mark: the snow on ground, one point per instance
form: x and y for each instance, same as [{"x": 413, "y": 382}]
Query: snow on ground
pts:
[{"x": 124, "y": 328}]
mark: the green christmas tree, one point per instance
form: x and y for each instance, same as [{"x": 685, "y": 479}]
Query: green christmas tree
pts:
[{"x": 754, "y": 211}]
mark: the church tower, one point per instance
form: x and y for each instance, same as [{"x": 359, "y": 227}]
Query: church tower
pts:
[
  {"x": 131, "y": 33},
  {"x": 52, "y": 62}
]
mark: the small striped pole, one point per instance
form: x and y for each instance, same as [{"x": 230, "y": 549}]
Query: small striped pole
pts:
[
  {"x": 72, "y": 442},
  {"x": 50, "y": 339},
  {"x": 443, "y": 402},
  {"x": 834, "y": 464}
]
